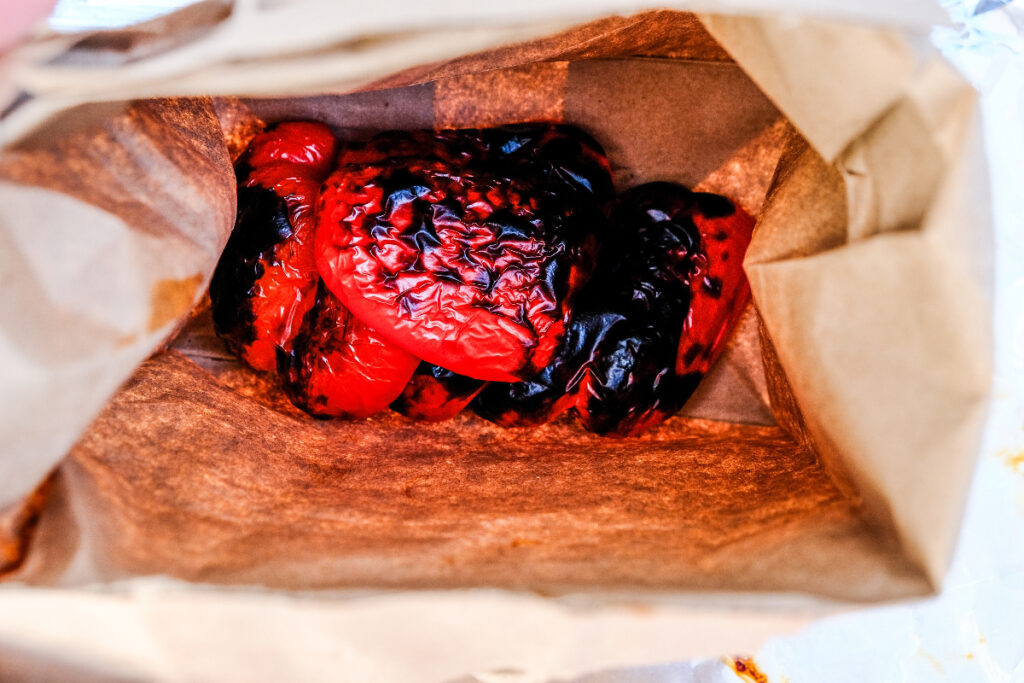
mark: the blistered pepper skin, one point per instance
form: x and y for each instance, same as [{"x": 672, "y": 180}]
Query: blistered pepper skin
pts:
[
  {"x": 265, "y": 281},
  {"x": 547, "y": 396},
  {"x": 435, "y": 394},
  {"x": 669, "y": 283},
  {"x": 465, "y": 247},
  {"x": 473, "y": 249},
  {"x": 571, "y": 164},
  {"x": 616, "y": 369},
  {"x": 267, "y": 305},
  {"x": 647, "y": 368},
  {"x": 720, "y": 288},
  {"x": 627, "y": 383},
  {"x": 307, "y": 144},
  {"x": 340, "y": 368}
]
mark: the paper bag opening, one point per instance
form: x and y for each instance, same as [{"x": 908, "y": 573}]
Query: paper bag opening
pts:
[{"x": 825, "y": 452}]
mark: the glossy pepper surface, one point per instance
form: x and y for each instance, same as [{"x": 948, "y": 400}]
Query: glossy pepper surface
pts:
[
  {"x": 339, "y": 367},
  {"x": 668, "y": 288},
  {"x": 465, "y": 247},
  {"x": 265, "y": 281},
  {"x": 267, "y": 304},
  {"x": 434, "y": 394},
  {"x": 685, "y": 275}
]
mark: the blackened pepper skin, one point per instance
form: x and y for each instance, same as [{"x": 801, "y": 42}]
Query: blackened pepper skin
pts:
[
  {"x": 266, "y": 279},
  {"x": 617, "y": 365},
  {"x": 688, "y": 290},
  {"x": 497, "y": 230},
  {"x": 549, "y": 394},
  {"x": 261, "y": 222},
  {"x": 435, "y": 394},
  {"x": 627, "y": 383},
  {"x": 465, "y": 247},
  {"x": 571, "y": 164},
  {"x": 669, "y": 281}
]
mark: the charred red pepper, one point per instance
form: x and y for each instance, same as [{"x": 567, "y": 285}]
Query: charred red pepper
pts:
[
  {"x": 265, "y": 281},
  {"x": 647, "y": 365},
  {"x": 472, "y": 250},
  {"x": 719, "y": 288},
  {"x": 668, "y": 288},
  {"x": 548, "y": 395},
  {"x": 435, "y": 394},
  {"x": 267, "y": 306},
  {"x": 465, "y": 247},
  {"x": 339, "y": 367}
]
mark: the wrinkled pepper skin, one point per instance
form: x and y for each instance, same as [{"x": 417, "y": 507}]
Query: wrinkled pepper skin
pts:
[
  {"x": 432, "y": 270},
  {"x": 465, "y": 247},
  {"x": 627, "y": 382},
  {"x": 571, "y": 165},
  {"x": 339, "y": 367},
  {"x": 266, "y": 279},
  {"x": 268, "y": 305},
  {"x": 669, "y": 280},
  {"x": 435, "y": 394},
  {"x": 688, "y": 291},
  {"x": 550, "y": 394}
]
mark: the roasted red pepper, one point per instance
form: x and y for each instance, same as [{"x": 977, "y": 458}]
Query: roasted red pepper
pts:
[
  {"x": 435, "y": 394},
  {"x": 472, "y": 250},
  {"x": 646, "y": 366},
  {"x": 339, "y": 367},
  {"x": 668, "y": 289},
  {"x": 465, "y": 247},
  {"x": 719, "y": 288},
  {"x": 266, "y": 303},
  {"x": 549, "y": 394},
  {"x": 265, "y": 281}
]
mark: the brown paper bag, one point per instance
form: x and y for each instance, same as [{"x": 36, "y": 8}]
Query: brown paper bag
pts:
[{"x": 829, "y": 451}]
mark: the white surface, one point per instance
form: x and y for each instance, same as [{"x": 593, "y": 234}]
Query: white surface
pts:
[
  {"x": 81, "y": 15},
  {"x": 159, "y": 631}
]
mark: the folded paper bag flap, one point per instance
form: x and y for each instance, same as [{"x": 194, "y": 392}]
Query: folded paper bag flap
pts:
[
  {"x": 831, "y": 79},
  {"x": 884, "y": 331},
  {"x": 109, "y": 232}
]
